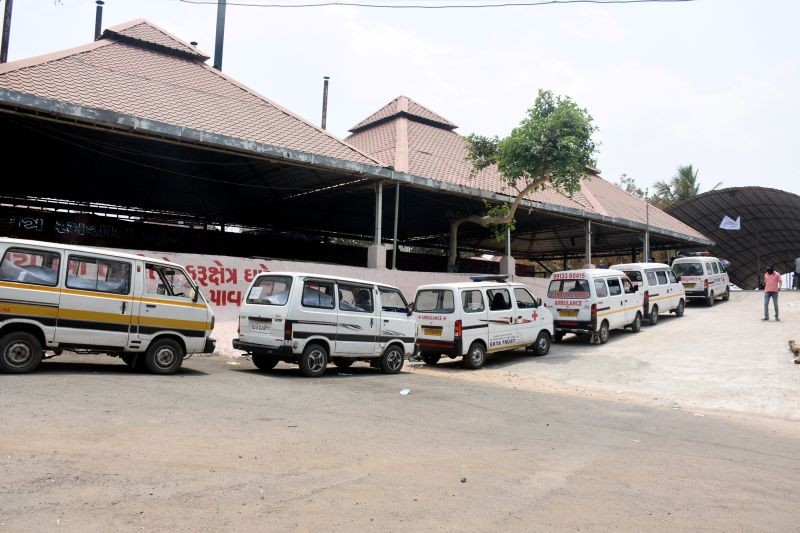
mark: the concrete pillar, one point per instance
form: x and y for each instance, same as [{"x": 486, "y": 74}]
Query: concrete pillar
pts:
[
  {"x": 376, "y": 254},
  {"x": 508, "y": 265},
  {"x": 588, "y": 255}
]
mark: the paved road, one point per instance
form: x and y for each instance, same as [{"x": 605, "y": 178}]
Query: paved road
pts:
[{"x": 86, "y": 445}]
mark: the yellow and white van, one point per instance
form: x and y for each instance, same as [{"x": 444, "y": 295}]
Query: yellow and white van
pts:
[
  {"x": 703, "y": 277},
  {"x": 473, "y": 318},
  {"x": 660, "y": 288},
  {"x": 593, "y": 302},
  {"x": 312, "y": 320},
  {"x": 56, "y": 297}
]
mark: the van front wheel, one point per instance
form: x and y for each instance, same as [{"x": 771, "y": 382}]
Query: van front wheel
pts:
[
  {"x": 313, "y": 361},
  {"x": 392, "y": 360},
  {"x": 164, "y": 356},
  {"x": 476, "y": 356},
  {"x": 727, "y": 295},
  {"x": 542, "y": 345},
  {"x": 636, "y": 325},
  {"x": 20, "y": 352},
  {"x": 681, "y": 309}
]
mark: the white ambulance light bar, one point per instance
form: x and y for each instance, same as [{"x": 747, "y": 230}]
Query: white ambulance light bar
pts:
[{"x": 489, "y": 277}]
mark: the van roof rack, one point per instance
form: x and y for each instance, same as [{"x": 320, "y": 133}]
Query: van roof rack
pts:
[{"x": 489, "y": 277}]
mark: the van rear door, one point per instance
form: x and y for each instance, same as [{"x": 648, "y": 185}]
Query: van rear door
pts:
[
  {"x": 262, "y": 317},
  {"x": 502, "y": 328}
]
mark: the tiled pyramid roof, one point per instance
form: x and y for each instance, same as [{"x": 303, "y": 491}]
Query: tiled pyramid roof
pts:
[
  {"x": 140, "y": 70},
  {"x": 406, "y": 106},
  {"x": 438, "y": 153}
]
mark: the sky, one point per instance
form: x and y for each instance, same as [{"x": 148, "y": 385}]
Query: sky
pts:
[{"x": 711, "y": 83}]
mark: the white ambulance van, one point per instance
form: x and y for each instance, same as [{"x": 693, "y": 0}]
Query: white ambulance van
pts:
[
  {"x": 312, "y": 320},
  {"x": 593, "y": 302},
  {"x": 56, "y": 297},
  {"x": 473, "y": 318},
  {"x": 660, "y": 288},
  {"x": 703, "y": 278}
]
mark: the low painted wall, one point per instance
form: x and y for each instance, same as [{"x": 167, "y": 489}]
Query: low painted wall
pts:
[{"x": 224, "y": 281}]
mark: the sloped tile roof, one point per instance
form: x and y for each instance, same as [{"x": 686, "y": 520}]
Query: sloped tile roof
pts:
[
  {"x": 396, "y": 107},
  {"x": 439, "y": 153},
  {"x": 142, "y": 31},
  {"x": 148, "y": 82}
]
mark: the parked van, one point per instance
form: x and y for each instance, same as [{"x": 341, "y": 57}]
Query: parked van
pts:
[
  {"x": 473, "y": 318},
  {"x": 593, "y": 302},
  {"x": 703, "y": 277},
  {"x": 58, "y": 297},
  {"x": 661, "y": 291},
  {"x": 312, "y": 320}
]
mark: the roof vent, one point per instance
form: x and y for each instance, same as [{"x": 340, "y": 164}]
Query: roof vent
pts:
[{"x": 98, "y": 20}]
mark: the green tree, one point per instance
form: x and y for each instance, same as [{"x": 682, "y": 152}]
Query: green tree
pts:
[
  {"x": 551, "y": 146},
  {"x": 628, "y": 184},
  {"x": 682, "y": 186}
]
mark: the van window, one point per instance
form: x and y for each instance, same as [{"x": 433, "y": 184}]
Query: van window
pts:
[
  {"x": 166, "y": 281},
  {"x": 102, "y": 275},
  {"x": 355, "y": 298},
  {"x": 524, "y": 299},
  {"x": 434, "y": 301},
  {"x": 651, "y": 277},
  {"x": 318, "y": 294},
  {"x": 392, "y": 301},
  {"x": 671, "y": 276},
  {"x": 662, "y": 277},
  {"x": 688, "y": 269},
  {"x": 568, "y": 288},
  {"x": 715, "y": 267},
  {"x": 627, "y": 285},
  {"x": 600, "y": 288},
  {"x": 499, "y": 299},
  {"x": 708, "y": 268},
  {"x": 634, "y": 275},
  {"x": 721, "y": 268},
  {"x": 614, "y": 287},
  {"x": 30, "y": 266},
  {"x": 472, "y": 301},
  {"x": 270, "y": 290}
]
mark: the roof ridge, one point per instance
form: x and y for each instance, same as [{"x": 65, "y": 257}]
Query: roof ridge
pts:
[
  {"x": 284, "y": 110},
  {"x": 49, "y": 57},
  {"x": 117, "y": 31}
]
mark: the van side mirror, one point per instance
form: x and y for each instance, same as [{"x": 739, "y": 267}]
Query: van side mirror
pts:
[
  {"x": 410, "y": 308},
  {"x": 194, "y": 294},
  {"x": 537, "y": 302}
]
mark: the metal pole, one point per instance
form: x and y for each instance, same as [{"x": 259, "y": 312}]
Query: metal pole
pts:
[
  {"x": 508, "y": 242},
  {"x": 588, "y": 242},
  {"x": 6, "y": 31},
  {"x": 378, "y": 212},
  {"x": 325, "y": 102},
  {"x": 98, "y": 20},
  {"x": 221, "y": 4},
  {"x": 647, "y": 230},
  {"x": 396, "y": 209}
]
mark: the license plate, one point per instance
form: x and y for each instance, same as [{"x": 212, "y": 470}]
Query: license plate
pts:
[
  {"x": 568, "y": 312},
  {"x": 433, "y": 332},
  {"x": 260, "y": 326},
  {"x": 688, "y": 285}
]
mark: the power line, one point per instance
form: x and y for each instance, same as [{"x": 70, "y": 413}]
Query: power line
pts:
[{"x": 433, "y": 6}]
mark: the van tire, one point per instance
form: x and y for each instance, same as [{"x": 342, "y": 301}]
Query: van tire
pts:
[
  {"x": 710, "y": 299},
  {"x": 559, "y": 336},
  {"x": 20, "y": 352},
  {"x": 680, "y": 309},
  {"x": 392, "y": 359},
  {"x": 542, "y": 344},
  {"x": 602, "y": 333},
  {"x": 431, "y": 358},
  {"x": 264, "y": 362},
  {"x": 164, "y": 357},
  {"x": 341, "y": 362},
  {"x": 727, "y": 295},
  {"x": 313, "y": 360},
  {"x": 654, "y": 315},
  {"x": 475, "y": 358},
  {"x": 636, "y": 325},
  {"x": 129, "y": 359}
]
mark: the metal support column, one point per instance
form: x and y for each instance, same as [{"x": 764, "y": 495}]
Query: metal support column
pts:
[
  {"x": 588, "y": 242},
  {"x": 394, "y": 238},
  {"x": 378, "y": 212},
  {"x": 646, "y": 249}
]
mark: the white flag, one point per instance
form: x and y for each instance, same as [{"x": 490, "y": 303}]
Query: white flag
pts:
[{"x": 729, "y": 223}]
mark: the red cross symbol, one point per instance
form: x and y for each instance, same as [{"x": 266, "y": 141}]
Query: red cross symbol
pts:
[{"x": 535, "y": 315}]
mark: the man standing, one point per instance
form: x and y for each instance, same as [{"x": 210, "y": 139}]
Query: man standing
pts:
[
  {"x": 796, "y": 280},
  {"x": 772, "y": 284}
]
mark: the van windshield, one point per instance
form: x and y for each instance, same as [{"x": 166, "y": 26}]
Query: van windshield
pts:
[
  {"x": 270, "y": 290},
  {"x": 568, "y": 288},
  {"x": 688, "y": 269},
  {"x": 434, "y": 301}
]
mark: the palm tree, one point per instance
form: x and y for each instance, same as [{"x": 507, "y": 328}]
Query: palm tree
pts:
[{"x": 680, "y": 187}]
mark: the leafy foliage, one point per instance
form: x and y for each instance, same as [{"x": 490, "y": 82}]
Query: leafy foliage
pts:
[
  {"x": 682, "y": 186},
  {"x": 628, "y": 184}
]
